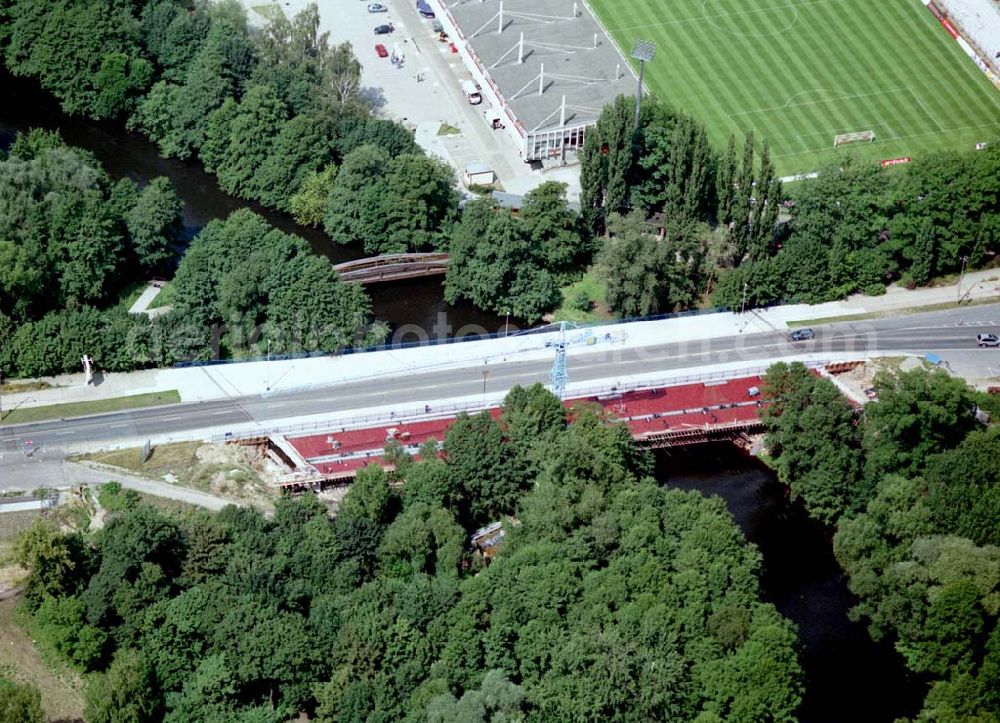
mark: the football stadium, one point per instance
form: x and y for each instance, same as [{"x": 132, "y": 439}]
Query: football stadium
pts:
[{"x": 815, "y": 78}]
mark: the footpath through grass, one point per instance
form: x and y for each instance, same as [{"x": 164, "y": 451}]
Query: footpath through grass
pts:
[
  {"x": 798, "y": 72},
  {"x": 23, "y": 415}
]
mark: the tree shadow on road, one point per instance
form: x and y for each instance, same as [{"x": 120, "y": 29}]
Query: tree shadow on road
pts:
[{"x": 373, "y": 97}]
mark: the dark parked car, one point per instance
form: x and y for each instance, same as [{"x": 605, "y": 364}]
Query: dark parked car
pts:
[
  {"x": 802, "y": 335},
  {"x": 383, "y": 29},
  {"x": 987, "y": 340}
]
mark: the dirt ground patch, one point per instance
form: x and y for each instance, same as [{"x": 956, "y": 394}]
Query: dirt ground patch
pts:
[
  {"x": 235, "y": 472},
  {"x": 61, "y": 687},
  {"x": 861, "y": 378}
]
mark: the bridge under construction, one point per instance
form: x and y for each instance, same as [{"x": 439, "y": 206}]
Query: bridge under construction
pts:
[{"x": 664, "y": 416}]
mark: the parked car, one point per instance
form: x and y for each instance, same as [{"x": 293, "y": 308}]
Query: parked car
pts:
[
  {"x": 383, "y": 29},
  {"x": 424, "y": 9},
  {"x": 802, "y": 335},
  {"x": 377, "y": 8},
  {"x": 380, "y": 51},
  {"x": 987, "y": 340}
]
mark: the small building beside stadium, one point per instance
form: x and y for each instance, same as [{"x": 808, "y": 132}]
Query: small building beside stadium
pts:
[{"x": 547, "y": 66}]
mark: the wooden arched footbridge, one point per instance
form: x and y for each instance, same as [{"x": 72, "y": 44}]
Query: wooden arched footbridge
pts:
[{"x": 392, "y": 267}]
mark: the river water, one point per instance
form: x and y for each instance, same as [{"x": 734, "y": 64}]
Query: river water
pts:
[
  {"x": 419, "y": 302},
  {"x": 848, "y": 676}
]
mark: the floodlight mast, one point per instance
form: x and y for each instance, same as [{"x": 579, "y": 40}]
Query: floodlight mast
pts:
[{"x": 643, "y": 51}]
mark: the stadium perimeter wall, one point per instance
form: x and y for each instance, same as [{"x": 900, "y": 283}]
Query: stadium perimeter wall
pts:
[
  {"x": 975, "y": 25},
  {"x": 979, "y": 20}
]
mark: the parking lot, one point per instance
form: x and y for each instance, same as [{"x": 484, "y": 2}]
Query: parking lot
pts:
[{"x": 423, "y": 91}]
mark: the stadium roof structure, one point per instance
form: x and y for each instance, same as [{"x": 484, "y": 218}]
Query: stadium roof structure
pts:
[{"x": 553, "y": 46}]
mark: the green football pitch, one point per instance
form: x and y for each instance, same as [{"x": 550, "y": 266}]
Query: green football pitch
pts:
[{"x": 799, "y": 72}]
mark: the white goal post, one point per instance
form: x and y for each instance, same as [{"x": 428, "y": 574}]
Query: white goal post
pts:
[{"x": 851, "y": 137}]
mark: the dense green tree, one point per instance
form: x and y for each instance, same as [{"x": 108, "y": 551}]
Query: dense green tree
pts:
[
  {"x": 246, "y": 139},
  {"x": 496, "y": 699},
  {"x": 177, "y": 116},
  {"x": 350, "y": 207},
  {"x": 61, "y": 625},
  {"x": 531, "y": 417},
  {"x": 615, "y": 128},
  {"x": 963, "y": 488},
  {"x": 494, "y": 264},
  {"x": 84, "y": 51},
  {"x": 154, "y": 225},
  {"x": 479, "y": 468},
  {"x": 956, "y": 195},
  {"x": 120, "y": 79},
  {"x": 813, "y": 440},
  {"x": 126, "y": 693},
  {"x": 209, "y": 693},
  {"x": 551, "y": 227},
  {"x": 922, "y": 253},
  {"x": 139, "y": 552},
  {"x": 593, "y": 179},
  {"x": 390, "y": 205},
  {"x": 300, "y": 149},
  {"x": 677, "y": 166},
  {"x": 645, "y": 274},
  {"x": 418, "y": 202},
  {"x": 243, "y": 273},
  {"x": 429, "y": 483},
  {"x": 172, "y": 35},
  {"x": 612, "y": 598},
  {"x": 423, "y": 539},
  {"x": 51, "y": 559},
  {"x": 724, "y": 182},
  {"x": 356, "y": 130},
  {"x": 370, "y": 497},
  {"x": 918, "y": 414},
  {"x": 308, "y": 204},
  {"x": 631, "y": 265},
  {"x": 301, "y": 64}
]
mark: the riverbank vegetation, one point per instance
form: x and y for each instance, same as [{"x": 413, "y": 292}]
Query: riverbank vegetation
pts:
[
  {"x": 912, "y": 488},
  {"x": 72, "y": 242},
  {"x": 672, "y": 223},
  {"x": 609, "y": 597},
  {"x": 515, "y": 264},
  {"x": 275, "y": 112},
  {"x": 729, "y": 226}
]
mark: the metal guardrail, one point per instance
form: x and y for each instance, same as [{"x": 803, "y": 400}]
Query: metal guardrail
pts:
[
  {"x": 547, "y": 328},
  {"x": 427, "y": 410}
]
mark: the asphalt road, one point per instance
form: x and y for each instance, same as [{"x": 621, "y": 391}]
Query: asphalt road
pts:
[{"x": 937, "y": 332}]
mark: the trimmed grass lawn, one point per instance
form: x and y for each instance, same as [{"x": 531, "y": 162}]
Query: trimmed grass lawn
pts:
[
  {"x": 798, "y": 72},
  {"x": 591, "y": 287},
  {"x": 165, "y": 458},
  {"x": 98, "y": 406}
]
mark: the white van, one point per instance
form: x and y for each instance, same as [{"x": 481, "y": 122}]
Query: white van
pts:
[{"x": 471, "y": 92}]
